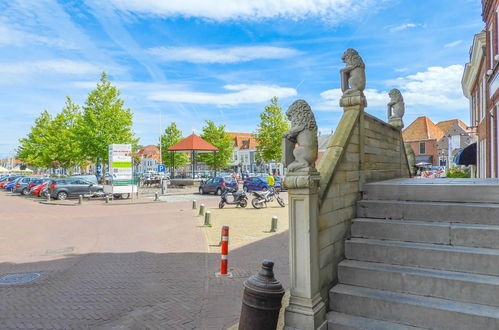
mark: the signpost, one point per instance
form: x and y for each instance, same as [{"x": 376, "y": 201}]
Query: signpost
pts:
[
  {"x": 161, "y": 168},
  {"x": 121, "y": 170}
]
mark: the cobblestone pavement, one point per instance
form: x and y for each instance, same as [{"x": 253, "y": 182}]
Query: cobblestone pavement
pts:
[{"x": 143, "y": 266}]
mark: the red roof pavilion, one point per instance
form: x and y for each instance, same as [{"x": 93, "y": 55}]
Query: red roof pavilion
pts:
[{"x": 193, "y": 143}]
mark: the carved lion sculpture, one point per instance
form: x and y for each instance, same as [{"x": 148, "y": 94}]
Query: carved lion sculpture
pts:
[
  {"x": 396, "y": 107},
  {"x": 301, "y": 139},
  {"x": 353, "y": 75}
]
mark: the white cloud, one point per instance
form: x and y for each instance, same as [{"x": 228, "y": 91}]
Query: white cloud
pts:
[
  {"x": 221, "y": 55},
  {"x": 402, "y": 27},
  {"x": 219, "y": 10},
  {"x": 10, "y": 36},
  {"x": 238, "y": 94},
  {"x": 331, "y": 99},
  {"x": 453, "y": 44},
  {"x": 401, "y": 69},
  {"x": 437, "y": 87},
  {"x": 49, "y": 66}
]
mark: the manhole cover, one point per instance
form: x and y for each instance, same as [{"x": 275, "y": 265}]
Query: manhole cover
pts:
[{"x": 19, "y": 278}]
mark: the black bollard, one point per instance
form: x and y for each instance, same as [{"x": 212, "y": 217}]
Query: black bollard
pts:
[{"x": 261, "y": 300}]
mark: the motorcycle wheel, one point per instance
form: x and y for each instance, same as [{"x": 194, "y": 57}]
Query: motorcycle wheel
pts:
[
  {"x": 256, "y": 204},
  {"x": 243, "y": 203},
  {"x": 221, "y": 205},
  {"x": 280, "y": 201}
]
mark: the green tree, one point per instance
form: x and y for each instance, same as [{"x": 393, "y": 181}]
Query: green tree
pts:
[
  {"x": 65, "y": 146},
  {"x": 269, "y": 132},
  {"x": 35, "y": 149},
  {"x": 105, "y": 121},
  {"x": 171, "y": 136},
  {"x": 216, "y": 136}
]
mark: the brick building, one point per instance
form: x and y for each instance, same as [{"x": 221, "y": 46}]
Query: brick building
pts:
[
  {"x": 436, "y": 144},
  {"x": 480, "y": 84}
]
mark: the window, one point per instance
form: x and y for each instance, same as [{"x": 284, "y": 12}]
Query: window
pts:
[
  {"x": 443, "y": 161},
  {"x": 491, "y": 48},
  {"x": 422, "y": 148}
]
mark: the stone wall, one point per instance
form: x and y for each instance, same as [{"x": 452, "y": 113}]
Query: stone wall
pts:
[{"x": 362, "y": 149}]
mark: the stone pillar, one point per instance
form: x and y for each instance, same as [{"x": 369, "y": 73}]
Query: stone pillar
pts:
[{"x": 306, "y": 308}]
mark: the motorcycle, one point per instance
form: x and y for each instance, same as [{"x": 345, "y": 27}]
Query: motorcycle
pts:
[
  {"x": 238, "y": 198},
  {"x": 264, "y": 197}
]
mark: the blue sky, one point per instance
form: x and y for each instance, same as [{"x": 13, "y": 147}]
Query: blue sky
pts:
[{"x": 223, "y": 60}]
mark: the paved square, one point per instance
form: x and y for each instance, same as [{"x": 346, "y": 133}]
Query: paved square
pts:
[{"x": 143, "y": 266}]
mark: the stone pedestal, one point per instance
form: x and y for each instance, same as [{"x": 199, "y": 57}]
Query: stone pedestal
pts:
[
  {"x": 306, "y": 308},
  {"x": 396, "y": 122}
]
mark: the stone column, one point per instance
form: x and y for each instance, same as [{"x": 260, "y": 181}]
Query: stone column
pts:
[{"x": 306, "y": 308}]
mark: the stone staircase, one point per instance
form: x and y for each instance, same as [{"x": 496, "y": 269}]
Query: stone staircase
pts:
[{"x": 423, "y": 254}]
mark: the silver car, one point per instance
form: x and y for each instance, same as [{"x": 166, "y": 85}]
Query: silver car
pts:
[{"x": 66, "y": 188}]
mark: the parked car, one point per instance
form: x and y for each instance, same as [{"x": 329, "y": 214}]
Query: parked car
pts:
[
  {"x": 217, "y": 184},
  {"x": 90, "y": 177},
  {"x": 256, "y": 183},
  {"x": 40, "y": 189},
  {"x": 23, "y": 185},
  {"x": 7, "y": 180},
  {"x": 278, "y": 183},
  {"x": 8, "y": 186},
  {"x": 66, "y": 188}
]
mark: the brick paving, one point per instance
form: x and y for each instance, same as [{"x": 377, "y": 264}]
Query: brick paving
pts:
[{"x": 142, "y": 266}]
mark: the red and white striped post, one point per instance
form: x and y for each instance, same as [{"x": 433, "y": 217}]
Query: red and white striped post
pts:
[{"x": 224, "y": 261}]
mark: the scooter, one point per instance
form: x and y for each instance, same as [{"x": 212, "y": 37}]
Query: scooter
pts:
[
  {"x": 239, "y": 198},
  {"x": 263, "y": 197}
]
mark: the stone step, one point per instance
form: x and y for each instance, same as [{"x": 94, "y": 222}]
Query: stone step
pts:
[
  {"x": 436, "y": 190},
  {"x": 408, "y": 309},
  {"x": 465, "y": 287},
  {"x": 340, "y": 321},
  {"x": 429, "y": 211},
  {"x": 445, "y": 257},
  {"x": 472, "y": 235}
]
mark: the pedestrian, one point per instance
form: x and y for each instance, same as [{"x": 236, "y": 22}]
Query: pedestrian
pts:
[{"x": 270, "y": 180}]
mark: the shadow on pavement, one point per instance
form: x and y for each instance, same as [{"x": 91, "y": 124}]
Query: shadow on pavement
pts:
[{"x": 139, "y": 290}]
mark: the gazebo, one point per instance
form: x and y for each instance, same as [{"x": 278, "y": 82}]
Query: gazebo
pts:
[{"x": 193, "y": 144}]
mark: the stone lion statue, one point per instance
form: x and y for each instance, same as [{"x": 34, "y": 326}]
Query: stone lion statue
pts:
[
  {"x": 353, "y": 75},
  {"x": 300, "y": 150},
  {"x": 396, "y": 108}
]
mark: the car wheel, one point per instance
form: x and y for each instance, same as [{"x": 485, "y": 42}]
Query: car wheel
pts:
[
  {"x": 245, "y": 189},
  {"x": 25, "y": 192},
  {"x": 218, "y": 192},
  {"x": 62, "y": 195},
  {"x": 265, "y": 189},
  {"x": 201, "y": 191}
]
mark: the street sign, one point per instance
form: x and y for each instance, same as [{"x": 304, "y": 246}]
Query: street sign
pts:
[{"x": 161, "y": 168}]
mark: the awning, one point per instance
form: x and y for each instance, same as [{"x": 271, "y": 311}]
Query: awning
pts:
[
  {"x": 423, "y": 160},
  {"x": 467, "y": 156}
]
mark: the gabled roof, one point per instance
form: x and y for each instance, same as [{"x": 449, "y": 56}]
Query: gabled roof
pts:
[
  {"x": 243, "y": 140},
  {"x": 150, "y": 151},
  {"x": 193, "y": 142},
  {"x": 422, "y": 129},
  {"x": 447, "y": 125}
]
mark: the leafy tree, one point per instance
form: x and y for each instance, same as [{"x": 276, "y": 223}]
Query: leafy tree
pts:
[
  {"x": 171, "y": 136},
  {"x": 65, "y": 147},
  {"x": 216, "y": 136},
  {"x": 105, "y": 121},
  {"x": 35, "y": 149},
  {"x": 269, "y": 132}
]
